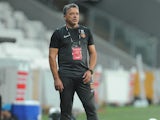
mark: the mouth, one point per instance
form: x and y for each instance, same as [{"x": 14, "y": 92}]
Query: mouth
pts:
[{"x": 75, "y": 20}]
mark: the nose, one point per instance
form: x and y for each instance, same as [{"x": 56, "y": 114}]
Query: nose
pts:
[{"x": 75, "y": 16}]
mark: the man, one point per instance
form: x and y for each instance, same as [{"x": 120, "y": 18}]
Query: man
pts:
[{"x": 72, "y": 43}]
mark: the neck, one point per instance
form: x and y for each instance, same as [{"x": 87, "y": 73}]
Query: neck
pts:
[{"x": 72, "y": 26}]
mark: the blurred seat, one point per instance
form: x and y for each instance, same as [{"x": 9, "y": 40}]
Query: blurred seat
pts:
[{"x": 30, "y": 35}]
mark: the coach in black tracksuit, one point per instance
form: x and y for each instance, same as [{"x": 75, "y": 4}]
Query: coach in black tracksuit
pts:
[{"x": 72, "y": 44}]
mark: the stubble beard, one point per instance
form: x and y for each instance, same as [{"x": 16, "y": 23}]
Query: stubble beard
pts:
[{"x": 72, "y": 24}]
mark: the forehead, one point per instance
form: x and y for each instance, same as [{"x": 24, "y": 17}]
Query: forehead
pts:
[{"x": 72, "y": 9}]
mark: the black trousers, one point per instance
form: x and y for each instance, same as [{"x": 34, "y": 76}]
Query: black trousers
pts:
[{"x": 84, "y": 92}]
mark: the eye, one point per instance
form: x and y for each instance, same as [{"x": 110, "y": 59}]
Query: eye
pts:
[{"x": 71, "y": 13}]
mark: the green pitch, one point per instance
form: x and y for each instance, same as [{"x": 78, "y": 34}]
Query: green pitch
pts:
[
  {"x": 126, "y": 113},
  {"x": 123, "y": 113}
]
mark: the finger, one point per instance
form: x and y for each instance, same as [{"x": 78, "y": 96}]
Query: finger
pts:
[
  {"x": 84, "y": 75},
  {"x": 85, "y": 80},
  {"x": 61, "y": 89},
  {"x": 55, "y": 87}
]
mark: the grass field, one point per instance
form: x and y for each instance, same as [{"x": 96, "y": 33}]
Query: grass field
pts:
[{"x": 124, "y": 113}]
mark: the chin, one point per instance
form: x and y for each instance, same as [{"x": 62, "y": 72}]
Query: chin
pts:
[{"x": 74, "y": 24}]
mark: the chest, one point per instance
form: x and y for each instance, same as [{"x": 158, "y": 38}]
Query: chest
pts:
[{"x": 73, "y": 36}]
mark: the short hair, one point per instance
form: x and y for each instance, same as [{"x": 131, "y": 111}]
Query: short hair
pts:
[{"x": 68, "y": 6}]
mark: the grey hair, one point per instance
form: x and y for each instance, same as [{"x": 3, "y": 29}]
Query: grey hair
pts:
[{"x": 68, "y": 6}]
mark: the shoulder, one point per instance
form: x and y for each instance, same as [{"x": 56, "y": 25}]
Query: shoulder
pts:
[
  {"x": 59, "y": 31},
  {"x": 86, "y": 30},
  {"x": 84, "y": 27}
]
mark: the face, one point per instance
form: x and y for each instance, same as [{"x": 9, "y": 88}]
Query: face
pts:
[{"x": 72, "y": 17}]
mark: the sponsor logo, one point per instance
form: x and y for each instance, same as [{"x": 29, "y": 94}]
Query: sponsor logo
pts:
[{"x": 65, "y": 36}]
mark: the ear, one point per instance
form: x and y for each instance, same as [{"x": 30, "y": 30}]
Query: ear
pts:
[{"x": 64, "y": 17}]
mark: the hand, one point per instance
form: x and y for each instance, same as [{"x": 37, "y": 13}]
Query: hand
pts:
[
  {"x": 58, "y": 85},
  {"x": 87, "y": 76}
]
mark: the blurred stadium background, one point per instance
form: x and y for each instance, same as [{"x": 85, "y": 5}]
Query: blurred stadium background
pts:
[{"x": 126, "y": 34}]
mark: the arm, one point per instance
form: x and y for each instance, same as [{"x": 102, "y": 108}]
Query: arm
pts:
[
  {"x": 53, "y": 52},
  {"x": 92, "y": 57},
  {"x": 92, "y": 63}
]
